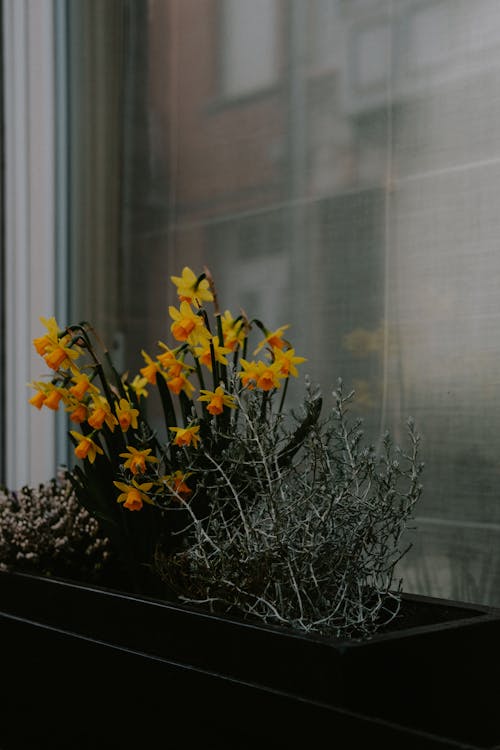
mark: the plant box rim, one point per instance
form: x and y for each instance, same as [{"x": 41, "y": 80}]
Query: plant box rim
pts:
[{"x": 465, "y": 612}]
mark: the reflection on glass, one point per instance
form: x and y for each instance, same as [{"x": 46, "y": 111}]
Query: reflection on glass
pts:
[{"x": 353, "y": 194}]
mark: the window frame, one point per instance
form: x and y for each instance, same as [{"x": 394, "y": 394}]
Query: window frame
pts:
[{"x": 29, "y": 237}]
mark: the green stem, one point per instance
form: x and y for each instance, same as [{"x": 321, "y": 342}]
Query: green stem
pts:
[
  {"x": 199, "y": 373},
  {"x": 283, "y": 396},
  {"x": 215, "y": 369},
  {"x": 166, "y": 402},
  {"x": 220, "y": 334}
]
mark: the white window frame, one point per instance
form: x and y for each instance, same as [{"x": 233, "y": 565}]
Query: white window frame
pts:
[{"x": 30, "y": 254}]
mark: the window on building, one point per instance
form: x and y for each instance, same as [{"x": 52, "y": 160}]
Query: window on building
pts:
[
  {"x": 249, "y": 46},
  {"x": 324, "y": 45}
]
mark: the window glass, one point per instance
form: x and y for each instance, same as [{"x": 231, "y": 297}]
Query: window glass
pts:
[
  {"x": 355, "y": 199},
  {"x": 248, "y": 45},
  {"x": 323, "y": 41}
]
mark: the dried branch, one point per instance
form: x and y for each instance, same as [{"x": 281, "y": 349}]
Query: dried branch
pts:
[{"x": 311, "y": 542}]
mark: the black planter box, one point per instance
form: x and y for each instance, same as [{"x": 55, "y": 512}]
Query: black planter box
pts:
[{"x": 86, "y": 667}]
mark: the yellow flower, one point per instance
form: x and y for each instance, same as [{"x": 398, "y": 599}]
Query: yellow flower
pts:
[
  {"x": 188, "y": 288},
  {"x": 78, "y": 413},
  {"x": 268, "y": 376},
  {"x": 41, "y": 344},
  {"x": 42, "y": 391},
  {"x": 203, "y": 353},
  {"x": 234, "y": 330},
  {"x": 51, "y": 338},
  {"x": 180, "y": 383},
  {"x": 217, "y": 400},
  {"x": 86, "y": 447},
  {"x": 48, "y": 394},
  {"x": 250, "y": 374},
  {"x": 61, "y": 355},
  {"x": 187, "y": 325},
  {"x": 286, "y": 361},
  {"x": 137, "y": 459},
  {"x": 274, "y": 339},
  {"x": 38, "y": 399},
  {"x": 101, "y": 413},
  {"x": 138, "y": 385},
  {"x": 176, "y": 483},
  {"x": 53, "y": 397},
  {"x": 126, "y": 415},
  {"x": 134, "y": 495},
  {"x": 151, "y": 370},
  {"x": 175, "y": 371},
  {"x": 169, "y": 361},
  {"x": 185, "y": 436},
  {"x": 82, "y": 385}
]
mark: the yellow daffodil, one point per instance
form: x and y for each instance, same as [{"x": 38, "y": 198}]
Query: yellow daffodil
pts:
[
  {"x": 217, "y": 400},
  {"x": 42, "y": 391},
  {"x": 234, "y": 330},
  {"x": 186, "y": 436},
  {"x": 48, "y": 394},
  {"x": 61, "y": 355},
  {"x": 51, "y": 338},
  {"x": 203, "y": 353},
  {"x": 169, "y": 362},
  {"x": 53, "y": 398},
  {"x": 274, "y": 339},
  {"x": 136, "y": 460},
  {"x": 249, "y": 374},
  {"x": 101, "y": 413},
  {"x": 187, "y": 325},
  {"x": 82, "y": 385},
  {"x": 263, "y": 375},
  {"x": 176, "y": 483},
  {"x": 180, "y": 383},
  {"x": 175, "y": 371},
  {"x": 138, "y": 385},
  {"x": 78, "y": 412},
  {"x": 268, "y": 376},
  {"x": 38, "y": 399},
  {"x": 286, "y": 361},
  {"x": 86, "y": 447},
  {"x": 190, "y": 290},
  {"x": 41, "y": 344},
  {"x": 151, "y": 370},
  {"x": 126, "y": 415},
  {"x": 133, "y": 495}
]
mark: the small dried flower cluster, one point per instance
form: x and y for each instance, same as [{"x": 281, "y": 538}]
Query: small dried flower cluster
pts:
[{"x": 45, "y": 530}]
